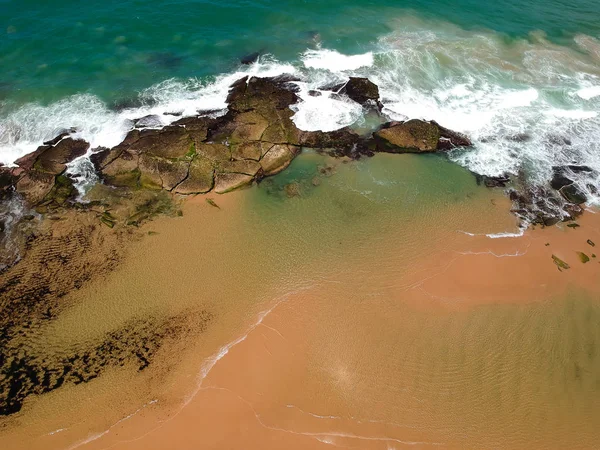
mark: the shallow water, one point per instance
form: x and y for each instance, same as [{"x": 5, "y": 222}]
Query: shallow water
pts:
[{"x": 348, "y": 274}]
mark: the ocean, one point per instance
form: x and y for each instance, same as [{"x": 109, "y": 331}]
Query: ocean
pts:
[
  {"x": 371, "y": 303},
  {"x": 521, "y": 78}
]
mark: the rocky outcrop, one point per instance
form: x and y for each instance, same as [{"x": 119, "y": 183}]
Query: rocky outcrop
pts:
[
  {"x": 256, "y": 138},
  {"x": 451, "y": 139},
  {"x": 564, "y": 181},
  {"x": 418, "y": 136},
  {"x": 40, "y": 177},
  {"x": 413, "y": 136}
]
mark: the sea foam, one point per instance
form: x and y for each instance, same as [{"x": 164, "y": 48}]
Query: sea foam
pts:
[{"x": 528, "y": 105}]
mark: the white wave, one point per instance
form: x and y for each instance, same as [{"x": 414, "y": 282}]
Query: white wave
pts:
[
  {"x": 501, "y": 235},
  {"x": 334, "y": 61},
  {"x": 506, "y": 235},
  {"x": 589, "y": 92},
  {"x": 324, "y": 112},
  {"x": 26, "y": 128},
  {"x": 527, "y": 105}
]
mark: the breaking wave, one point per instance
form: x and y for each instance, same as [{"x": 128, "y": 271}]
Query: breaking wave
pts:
[{"x": 528, "y": 104}]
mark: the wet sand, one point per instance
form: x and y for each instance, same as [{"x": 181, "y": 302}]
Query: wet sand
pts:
[
  {"x": 298, "y": 379},
  {"x": 377, "y": 329}
]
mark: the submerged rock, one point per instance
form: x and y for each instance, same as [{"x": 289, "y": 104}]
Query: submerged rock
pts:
[
  {"x": 583, "y": 257},
  {"x": 250, "y": 58},
  {"x": 492, "y": 182},
  {"x": 292, "y": 189},
  {"x": 560, "y": 263}
]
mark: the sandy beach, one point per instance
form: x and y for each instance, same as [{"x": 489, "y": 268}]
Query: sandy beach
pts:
[{"x": 435, "y": 335}]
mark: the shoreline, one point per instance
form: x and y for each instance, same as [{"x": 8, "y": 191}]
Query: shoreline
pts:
[
  {"x": 212, "y": 396},
  {"x": 428, "y": 294},
  {"x": 123, "y": 306}
]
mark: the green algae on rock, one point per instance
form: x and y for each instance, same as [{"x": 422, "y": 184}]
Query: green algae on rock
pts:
[
  {"x": 560, "y": 263},
  {"x": 583, "y": 257}
]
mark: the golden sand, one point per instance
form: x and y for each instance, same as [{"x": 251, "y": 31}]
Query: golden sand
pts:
[{"x": 406, "y": 336}]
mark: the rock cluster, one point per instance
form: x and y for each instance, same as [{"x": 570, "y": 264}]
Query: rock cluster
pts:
[
  {"x": 195, "y": 155},
  {"x": 256, "y": 138}
]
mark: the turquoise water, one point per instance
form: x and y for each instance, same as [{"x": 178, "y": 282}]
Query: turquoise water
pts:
[
  {"x": 115, "y": 48},
  {"x": 521, "y": 78}
]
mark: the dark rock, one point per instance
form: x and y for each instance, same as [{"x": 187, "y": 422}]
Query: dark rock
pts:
[
  {"x": 250, "y": 58},
  {"x": 314, "y": 93},
  {"x": 572, "y": 211},
  {"x": 173, "y": 113},
  {"x": 563, "y": 175},
  {"x": 63, "y": 134},
  {"x": 209, "y": 112},
  {"x": 7, "y": 178},
  {"x": 451, "y": 139},
  {"x": 579, "y": 169},
  {"x": 343, "y": 139},
  {"x": 333, "y": 87},
  {"x": 573, "y": 194},
  {"x": 550, "y": 220},
  {"x": 362, "y": 91},
  {"x": 559, "y": 180},
  {"x": 494, "y": 182},
  {"x": 149, "y": 121}
]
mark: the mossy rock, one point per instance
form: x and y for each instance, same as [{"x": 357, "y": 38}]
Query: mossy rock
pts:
[
  {"x": 414, "y": 136},
  {"x": 227, "y": 182},
  {"x": 583, "y": 257},
  {"x": 247, "y": 150},
  {"x": 200, "y": 178},
  {"x": 129, "y": 179},
  {"x": 278, "y": 158},
  {"x": 62, "y": 191},
  {"x": 560, "y": 263},
  {"x": 162, "y": 172}
]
